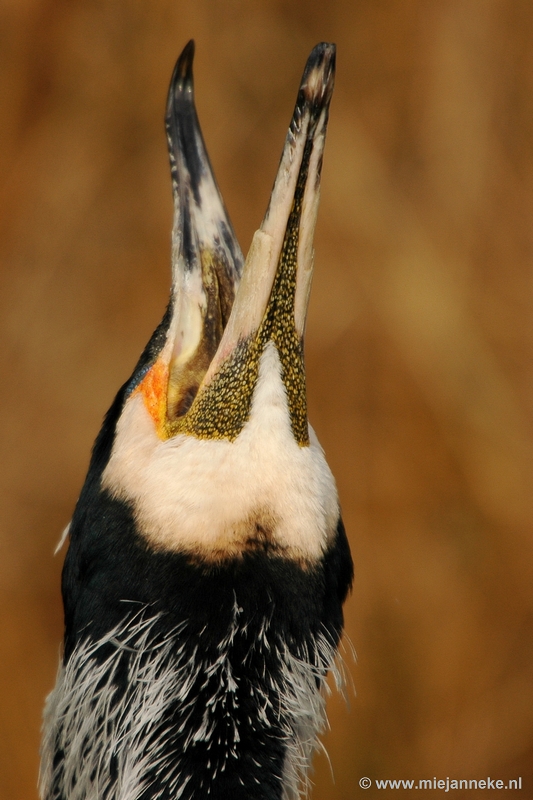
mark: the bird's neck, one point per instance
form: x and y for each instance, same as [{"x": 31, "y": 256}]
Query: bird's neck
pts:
[{"x": 215, "y": 692}]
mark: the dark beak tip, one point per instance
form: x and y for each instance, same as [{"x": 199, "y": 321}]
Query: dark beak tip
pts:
[
  {"x": 322, "y": 52},
  {"x": 319, "y": 75},
  {"x": 181, "y": 83},
  {"x": 183, "y": 67}
]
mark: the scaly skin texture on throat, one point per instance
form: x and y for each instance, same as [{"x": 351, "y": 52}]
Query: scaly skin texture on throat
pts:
[{"x": 221, "y": 410}]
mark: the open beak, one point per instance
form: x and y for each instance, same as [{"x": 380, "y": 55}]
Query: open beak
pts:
[{"x": 203, "y": 381}]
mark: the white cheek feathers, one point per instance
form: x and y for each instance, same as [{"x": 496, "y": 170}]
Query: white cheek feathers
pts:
[{"x": 216, "y": 498}]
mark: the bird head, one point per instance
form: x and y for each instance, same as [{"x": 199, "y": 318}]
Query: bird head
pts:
[{"x": 211, "y": 444}]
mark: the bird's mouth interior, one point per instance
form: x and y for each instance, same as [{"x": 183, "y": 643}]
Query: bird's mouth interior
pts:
[
  {"x": 223, "y": 312},
  {"x": 191, "y": 358}
]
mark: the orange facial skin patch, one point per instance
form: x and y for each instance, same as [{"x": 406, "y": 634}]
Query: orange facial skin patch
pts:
[{"x": 154, "y": 387}]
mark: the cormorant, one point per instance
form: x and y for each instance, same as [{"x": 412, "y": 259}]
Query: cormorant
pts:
[{"x": 207, "y": 563}]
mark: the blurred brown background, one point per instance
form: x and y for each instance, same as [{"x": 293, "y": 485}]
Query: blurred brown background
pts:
[{"x": 419, "y": 340}]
